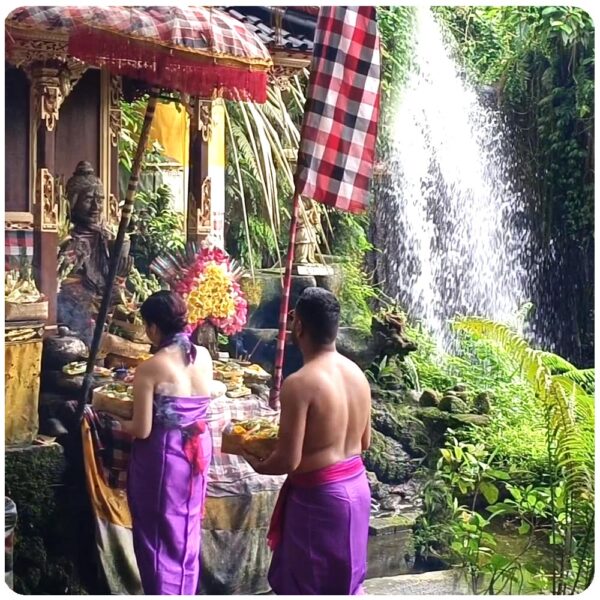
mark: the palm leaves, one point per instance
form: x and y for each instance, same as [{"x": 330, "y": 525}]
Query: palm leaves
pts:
[
  {"x": 569, "y": 410},
  {"x": 262, "y": 141}
]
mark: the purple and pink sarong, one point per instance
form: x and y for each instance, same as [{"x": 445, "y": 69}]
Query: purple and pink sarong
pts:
[
  {"x": 319, "y": 531},
  {"x": 166, "y": 487}
]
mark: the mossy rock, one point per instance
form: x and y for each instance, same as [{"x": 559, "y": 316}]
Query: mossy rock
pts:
[
  {"x": 429, "y": 398},
  {"x": 400, "y": 423},
  {"x": 453, "y": 404},
  {"x": 387, "y": 459},
  {"x": 470, "y": 419},
  {"x": 482, "y": 403},
  {"x": 460, "y": 387},
  {"x": 33, "y": 476}
]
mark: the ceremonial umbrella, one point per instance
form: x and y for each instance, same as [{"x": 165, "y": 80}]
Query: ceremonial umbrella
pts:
[{"x": 199, "y": 51}]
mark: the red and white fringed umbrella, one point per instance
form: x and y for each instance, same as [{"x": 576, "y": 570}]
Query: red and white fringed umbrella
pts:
[
  {"x": 337, "y": 149},
  {"x": 200, "y": 51}
]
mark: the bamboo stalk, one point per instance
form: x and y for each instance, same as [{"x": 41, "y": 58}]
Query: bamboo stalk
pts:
[
  {"x": 115, "y": 256},
  {"x": 283, "y": 310}
]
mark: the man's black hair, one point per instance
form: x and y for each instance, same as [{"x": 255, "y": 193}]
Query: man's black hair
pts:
[{"x": 319, "y": 312}]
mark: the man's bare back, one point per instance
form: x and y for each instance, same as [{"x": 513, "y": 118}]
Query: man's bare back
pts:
[
  {"x": 338, "y": 412},
  {"x": 326, "y": 405}
]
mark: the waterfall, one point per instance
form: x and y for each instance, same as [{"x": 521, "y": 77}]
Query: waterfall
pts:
[{"x": 452, "y": 221}]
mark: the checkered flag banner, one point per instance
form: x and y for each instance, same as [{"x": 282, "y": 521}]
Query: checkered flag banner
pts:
[{"x": 336, "y": 155}]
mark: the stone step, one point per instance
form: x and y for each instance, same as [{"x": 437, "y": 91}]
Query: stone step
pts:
[
  {"x": 391, "y": 548},
  {"x": 434, "y": 583}
]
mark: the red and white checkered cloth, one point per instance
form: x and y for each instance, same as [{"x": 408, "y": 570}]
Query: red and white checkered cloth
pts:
[
  {"x": 336, "y": 156},
  {"x": 18, "y": 247},
  {"x": 337, "y": 150},
  {"x": 228, "y": 474}
]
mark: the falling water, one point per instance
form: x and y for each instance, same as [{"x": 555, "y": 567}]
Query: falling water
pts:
[{"x": 453, "y": 223}]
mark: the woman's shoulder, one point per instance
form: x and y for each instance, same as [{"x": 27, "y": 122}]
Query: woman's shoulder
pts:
[{"x": 152, "y": 364}]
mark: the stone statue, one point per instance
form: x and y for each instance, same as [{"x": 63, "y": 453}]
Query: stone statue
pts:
[
  {"x": 307, "y": 233},
  {"x": 84, "y": 256}
]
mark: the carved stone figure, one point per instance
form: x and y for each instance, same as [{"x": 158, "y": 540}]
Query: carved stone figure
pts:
[
  {"x": 84, "y": 256},
  {"x": 307, "y": 233}
]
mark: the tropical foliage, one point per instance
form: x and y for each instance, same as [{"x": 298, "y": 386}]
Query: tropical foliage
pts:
[
  {"x": 531, "y": 469},
  {"x": 261, "y": 147}
]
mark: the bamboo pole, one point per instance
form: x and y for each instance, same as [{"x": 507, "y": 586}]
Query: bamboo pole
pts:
[
  {"x": 115, "y": 256},
  {"x": 283, "y": 309}
]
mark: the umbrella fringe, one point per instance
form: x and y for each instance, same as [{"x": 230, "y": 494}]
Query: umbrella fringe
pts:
[{"x": 199, "y": 75}]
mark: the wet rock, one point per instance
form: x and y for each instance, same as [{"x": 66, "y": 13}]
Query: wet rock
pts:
[
  {"x": 379, "y": 491},
  {"x": 387, "y": 459},
  {"x": 453, "y": 404},
  {"x": 481, "y": 404},
  {"x": 332, "y": 282},
  {"x": 388, "y": 396},
  {"x": 429, "y": 398},
  {"x": 437, "y": 583}
]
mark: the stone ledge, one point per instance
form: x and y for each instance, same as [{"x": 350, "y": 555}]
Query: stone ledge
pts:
[
  {"x": 388, "y": 525},
  {"x": 435, "y": 583}
]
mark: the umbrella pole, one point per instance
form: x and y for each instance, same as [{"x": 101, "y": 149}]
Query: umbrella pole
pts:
[
  {"x": 116, "y": 253},
  {"x": 283, "y": 310}
]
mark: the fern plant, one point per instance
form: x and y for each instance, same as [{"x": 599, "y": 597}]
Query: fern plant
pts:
[{"x": 569, "y": 411}]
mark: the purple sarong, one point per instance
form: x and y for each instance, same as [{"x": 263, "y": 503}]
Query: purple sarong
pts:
[
  {"x": 324, "y": 521},
  {"x": 166, "y": 487}
]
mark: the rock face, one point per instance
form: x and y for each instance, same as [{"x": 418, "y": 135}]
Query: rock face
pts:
[
  {"x": 58, "y": 351},
  {"x": 261, "y": 344},
  {"x": 399, "y": 423},
  {"x": 266, "y": 314},
  {"x": 387, "y": 459}
]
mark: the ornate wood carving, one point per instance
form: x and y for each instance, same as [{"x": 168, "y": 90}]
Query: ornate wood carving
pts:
[
  {"x": 51, "y": 83},
  {"x": 204, "y": 211},
  {"x": 51, "y": 71},
  {"x": 116, "y": 90},
  {"x": 18, "y": 221},
  {"x": 46, "y": 201},
  {"x": 192, "y": 217},
  {"x": 280, "y": 77},
  {"x": 205, "y": 123},
  {"x": 114, "y": 213},
  {"x": 28, "y": 47},
  {"x": 285, "y": 67}
]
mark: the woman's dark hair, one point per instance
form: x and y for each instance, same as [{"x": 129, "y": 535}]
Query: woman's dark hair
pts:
[{"x": 166, "y": 310}]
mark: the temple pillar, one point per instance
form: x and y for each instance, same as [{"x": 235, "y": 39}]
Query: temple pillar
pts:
[{"x": 206, "y": 197}]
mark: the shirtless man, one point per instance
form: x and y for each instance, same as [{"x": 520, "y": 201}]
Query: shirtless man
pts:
[{"x": 320, "y": 525}]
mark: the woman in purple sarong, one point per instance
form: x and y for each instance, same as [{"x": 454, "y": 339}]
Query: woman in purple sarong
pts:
[{"x": 171, "y": 451}]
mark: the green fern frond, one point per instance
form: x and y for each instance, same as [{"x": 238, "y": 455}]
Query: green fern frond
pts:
[
  {"x": 557, "y": 364},
  {"x": 569, "y": 407}
]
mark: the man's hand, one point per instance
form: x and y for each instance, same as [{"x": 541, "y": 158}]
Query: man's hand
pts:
[{"x": 254, "y": 461}]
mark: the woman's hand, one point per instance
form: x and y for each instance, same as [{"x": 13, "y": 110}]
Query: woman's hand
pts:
[{"x": 125, "y": 424}]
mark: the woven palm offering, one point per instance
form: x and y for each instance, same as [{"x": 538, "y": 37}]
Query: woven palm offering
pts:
[{"x": 255, "y": 436}]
